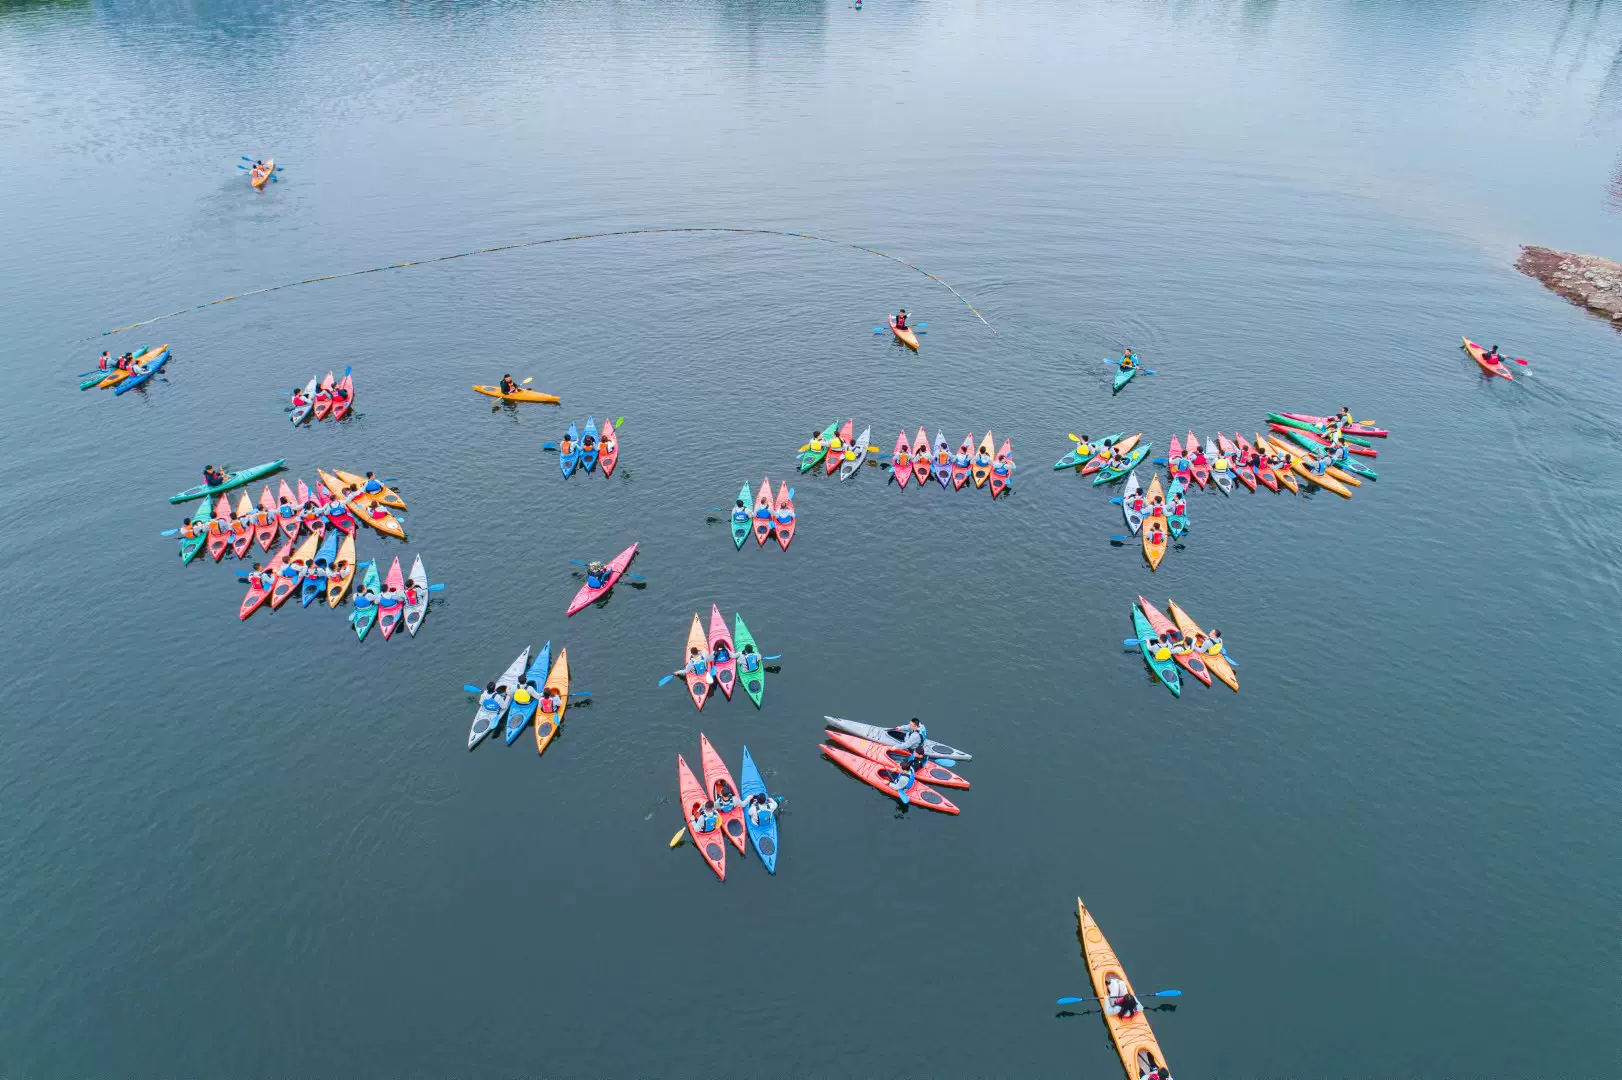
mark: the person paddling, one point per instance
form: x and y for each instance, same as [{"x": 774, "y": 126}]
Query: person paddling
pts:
[
  {"x": 299, "y": 400},
  {"x": 704, "y": 818},
  {"x": 508, "y": 386},
  {"x": 596, "y": 574},
  {"x": 1129, "y": 360},
  {"x": 740, "y": 513},
  {"x": 1491, "y": 355},
  {"x": 213, "y": 477},
  {"x": 749, "y": 660},
  {"x": 901, "y": 320},
  {"x": 697, "y": 664}
]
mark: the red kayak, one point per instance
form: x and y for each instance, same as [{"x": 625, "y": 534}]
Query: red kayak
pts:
[
  {"x": 901, "y": 472},
  {"x": 889, "y": 755},
  {"x": 1190, "y": 661},
  {"x": 1246, "y": 474},
  {"x": 1349, "y": 429},
  {"x": 219, "y": 530},
  {"x": 999, "y": 483},
  {"x": 692, "y": 800},
  {"x": 340, "y": 405},
  {"x": 1351, "y": 447},
  {"x": 715, "y": 770},
  {"x": 337, "y": 513},
  {"x": 836, "y": 458},
  {"x": 290, "y": 526},
  {"x": 609, "y": 451},
  {"x": 763, "y": 501},
  {"x": 316, "y": 524},
  {"x": 615, "y": 568},
  {"x": 1264, "y": 472},
  {"x": 879, "y": 776},
  {"x": 256, "y": 595},
  {"x": 921, "y": 458},
  {"x": 960, "y": 473},
  {"x": 726, "y": 671},
  {"x": 1202, "y": 473},
  {"x": 265, "y": 531},
  {"x": 785, "y": 505}
]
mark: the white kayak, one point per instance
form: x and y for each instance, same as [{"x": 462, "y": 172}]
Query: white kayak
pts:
[
  {"x": 889, "y": 737},
  {"x": 415, "y": 611},
  {"x": 492, "y": 707},
  {"x": 1224, "y": 479},
  {"x": 852, "y": 465},
  {"x": 1134, "y": 518}
]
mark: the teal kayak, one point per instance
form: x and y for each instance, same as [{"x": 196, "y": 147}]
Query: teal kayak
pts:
[
  {"x": 190, "y": 549},
  {"x": 568, "y": 461},
  {"x": 1075, "y": 458},
  {"x": 1165, "y": 670},
  {"x": 1123, "y": 377},
  {"x": 1351, "y": 464},
  {"x": 1137, "y": 454},
  {"x": 98, "y": 376},
  {"x": 364, "y": 617},
  {"x": 232, "y": 480},
  {"x": 740, "y": 529},
  {"x": 809, "y": 459},
  {"x": 1178, "y": 523},
  {"x": 519, "y": 712},
  {"x": 754, "y": 682},
  {"x": 764, "y": 835}
]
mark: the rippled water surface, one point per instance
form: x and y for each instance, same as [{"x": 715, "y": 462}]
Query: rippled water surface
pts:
[{"x": 262, "y": 848}]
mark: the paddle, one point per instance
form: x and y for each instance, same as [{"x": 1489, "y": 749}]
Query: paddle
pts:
[
  {"x": 1501, "y": 356},
  {"x": 1158, "y": 993},
  {"x": 914, "y": 328},
  {"x": 667, "y": 678},
  {"x": 633, "y": 577}
]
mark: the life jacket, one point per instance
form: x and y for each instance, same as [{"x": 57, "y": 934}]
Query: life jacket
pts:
[
  {"x": 521, "y": 696},
  {"x": 1162, "y": 652}
]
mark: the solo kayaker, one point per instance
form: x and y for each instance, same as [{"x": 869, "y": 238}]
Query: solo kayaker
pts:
[
  {"x": 913, "y": 735},
  {"x": 1198, "y": 459},
  {"x": 260, "y": 578},
  {"x": 522, "y": 695},
  {"x": 596, "y": 574},
  {"x": 212, "y": 476},
  {"x": 508, "y": 386},
  {"x": 1157, "y": 533},
  {"x": 749, "y": 659},
  {"x": 901, "y": 320},
  {"x": 836, "y": 445},
  {"x": 1129, "y": 360},
  {"x": 1136, "y": 505},
  {"x": 414, "y": 592},
  {"x": 697, "y": 664},
  {"x": 364, "y": 600},
  {"x": 1116, "y": 460},
  {"x": 902, "y": 461},
  {"x": 704, "y": 818},
  {"x": 607, "y": 444},
  {"x": 340, "y": 569},
  {"x": 761, "y": 807},
  {"x": 1179, "y": 506},
  {"x": 903, "y": 777},
  {"x": 299, "y": 400},
  {"x": 962, "y": 459},
  {"x": 785, "y": 515},
  {"x": 1157, "y": 508},
  {"x": 1004, "y": 465},
  {"x": 1122, "y": 1003},
  {"x": 1214, "y": 645},
  {"x": 1491, "y": 355},
  {"x": 339, "y": 396}
]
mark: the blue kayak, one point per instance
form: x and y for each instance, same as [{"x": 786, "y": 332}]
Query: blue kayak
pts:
[
  {"x": 588, "y": 456},
  {"x": 316, "y": 583},
  {"x": 519, "y": 714},
  {"x": 764, "y": 837},
  {"x": 143, "y": 373},
  {"x": 568, "y": 461}
]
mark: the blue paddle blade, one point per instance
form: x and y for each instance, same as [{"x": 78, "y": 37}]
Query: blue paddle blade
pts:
[
  {"x": 436, "y": 588},
  {"x": 666, "y": 679},
  {"x": 947, "y": 763},
  {"x": 1071, "y": 1001},
  {"x": 1116, "y": 500},
  {"x": 880, "y": 329},
  {"x": 470, "y": 688},
  {"x": 1131, "y": 643}
]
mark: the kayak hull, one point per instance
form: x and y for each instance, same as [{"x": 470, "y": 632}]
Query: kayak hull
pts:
[
  {"x": 884, "y": 737},
  {"x": 715, "y": 771},
  {"x": 1134, "y": 1040},
  {"x": 709, "y": 845},
  {"x": 879, "y": 776},
  {"x": 615, "y": 567},
  {"x": 763, "y": 837},
  {"x": 904, "y": 335},
  {"x": 232, "y": 481},
  {"x": 518, "y": 395}
]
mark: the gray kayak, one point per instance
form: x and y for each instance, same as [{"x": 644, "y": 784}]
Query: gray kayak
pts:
[
  {"x": 302, "y": 413},
  {"x": 415, "y": 611},
  {"x": 887, "y": 737},
  {"x": 1134, "y": 519},
  {"x": 851, "y": 466},
  {"x": 492, "y": 707}
]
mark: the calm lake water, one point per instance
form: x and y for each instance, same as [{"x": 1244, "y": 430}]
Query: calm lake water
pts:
[{"x": 262, "y": 848}]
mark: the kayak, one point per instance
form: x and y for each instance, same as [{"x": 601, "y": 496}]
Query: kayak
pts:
[
  {"x": 336, "y": 513},
  {"x": 519, "y": 712},
  {"x": 1245, "y": 473},
  {"x": 1099, "y": 460},
  {"x": 1122, "y": 377},
  {"x": 810, "y": 459},
  {"x": 99, "y": 374},
  {"x": 1165, "y": 670},
  {"x": 740, "y": 527},
  {"x": 1309, "y": 439},
  {"x": 343, "y": 572},
  {"x": 982, "y": 473},
  {"x": 342, "y": 405},
  {"x": 113, "y": 378},
  {"x": 1346, "y": 429},
  {"x": 257, "y": 594},
  {"x": 1134, "y": 1039},
  {"x": 1202, "y": 473},
  {"x": 356, "y": 482},
  {"x": 492, "y": 707},
  {"x": 243, "y": 529},
  {"x": 567, "y": 461},
  {"x": 1280, "y": 423},
  {"x": 1108, "y": 474},
  {"x": 140, "y": 375},
  {"x": 388, "y": 614},
  {"x": 1153, "y": 551},
  {"x": 881, "y": 777},
  {"x": 888, "y": 738},
  {"x": 518, "y": 395},
  {"x": 1176, "y": 524},
  {"x": 265, "y": 531},
  {"x": 588, "y": 454},
  {"x": 219, "y": 530},
  {"x": 999, "y": 481},
  {"x": 257, "y": 177},
  {"x": 1218, "y": 665},
  {"x": 547, "y": 725},
  {"x": 1134, "y": 518},
  {"x": 233, "y": 480},
  {"x": 1327, "y": 482},
  {"x": 904, "y": 334},
  {"x": 785, "y": 506},
  {"x": 190, "y": 549},
  {"x": 920, "y": 458},
  {"x": 1189, "y": 662},
  {"x": 323, "y": 397},
  {"x": 763, "y": 501},
  {"x": 362, "y": 618},
  {"x": 302, "y": 413},
  {"x": 698, "y": 686},
  {"x": 1223, "y": 477},
  {"x": 929, "y": 772},
  {"x": 1332, "y": 472},
  {"x": 1283, "y": 476},
  {"x": 708, "y": 844},
  {"x": 726, "y": 671},
  {"x": 855, "y": 455},
  {"x": 960, "y": 473},
  {"x": 416, "y": 609},
  {"x": 835, "y": 456},
  {"x": 1264, "y": 471},
  {"x": 289, "y": 524},
  {"x": 1075, "y": 458},
  {"x": 764, "y": 837},
  {"x": 366, "y": 508},
  {"x": 615, "y": 567},
  {"x": 610, "y": 443},
  {"x": 315, "y": 579},
  {"x": 900, "y": 462},
  {"x": 715, "y": 770},
  {"x": 317, "y": 524},
  {"x": 754, "y": 682},
  {"x": 943, "y": 460},
  {"x": 286, "y": 584}
]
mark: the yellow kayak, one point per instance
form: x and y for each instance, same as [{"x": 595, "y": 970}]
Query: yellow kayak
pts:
[
  {"x": 1328, "y": 483},
  {"x": 386, "y": 497},
  {"x": 1217, "y": 665},
  {"x": 365, "y": 509},
  {"x": 519, "y": 395},
  {"x": 1134, "y": 1039}
]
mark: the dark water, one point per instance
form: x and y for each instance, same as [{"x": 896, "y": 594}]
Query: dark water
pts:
[{"x": 262, "y": 848}]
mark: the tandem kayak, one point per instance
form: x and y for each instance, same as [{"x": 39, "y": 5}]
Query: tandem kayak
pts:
[
  {"x": 708, "y": 844},
  {"x": 754, "y": 682},
  {"x": 810, "y": 459},
  {"x": 615, "y": 567},
  {"x": 140, "y": 375},
  {"x": 764, "y": 835},
  {"x": 1153, "y": 551},
  {"x": 883, "y": 778},
  {"x": 904, "y": 335},
  {"x": 1217, "y": 663},
  {"x": 855, "y": 455},
  {"x": 416, "y": 606},
  {"x": 518, "y": 395},
  {"x": 493, "y": 706},
  {"x": 257, "y": 177},
  {"x": 1107, "y": 474},
  {"x": 567, "y": 461},
  {"x": 1479, "y": 355},
  {"x": 1189, "y": 662},
  {"x": 588, "y": 454},
  {"x": 547, "y": 725},
  {"x": 519, "y": 712},
  {"x": 889, "y": 737},
  {"x": 726, "y": 671},
  {"x": 370, "y": 585},
  {"x": 1134, "y": 1040},
  {"x": 715, "y": 771},
  {"x": 1165, "y": 670},
  {"x": 233, "y": 480},
  {"x": 982, "y": 473},
  {"x": 929, "y": 772}
]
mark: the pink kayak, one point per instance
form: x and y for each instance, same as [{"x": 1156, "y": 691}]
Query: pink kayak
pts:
[
  {"x": 726, "y": 671},
  {"x": 615, "y": 568},
  {"x": 1349, "y": 429},
  {"x": 900, "y": 464}
]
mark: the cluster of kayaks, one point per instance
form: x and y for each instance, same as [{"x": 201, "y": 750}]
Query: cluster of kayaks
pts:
[
  {"x": 703, "y": 671},
  {"x": 732, "y": 825},
  {"x": 771, "y": 517},
  {"x": 914, "y": 458},
  {"x": 874, "y": 756},
  {"x": 585, "y": 449},
  {"x": 146, "y": 362},
  {"x": 542, "y": 677},
  {"x": 1134, "y": 1040},
  {"x": 1149, "y": 623},
  {"x": 325, "y": 399},
  {"x": 340, "y": 498}
]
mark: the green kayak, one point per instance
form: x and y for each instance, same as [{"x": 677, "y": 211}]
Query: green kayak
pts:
[
  {"x": 1351, "y": 464},
  {"x": 1137, "y": 454},
  {"x": 1123, "y": 377},
  {"x": 810, "y": 459},
  {"x": 1316, "y": 429},
  {"x": 363, "y": 618},
  {"x": 1165, "y": 670},
  {"x": 740, "y": 529},
  {"x": 754, "y": 682},
  {"x": 1178, "y": 523},
  {"x": 190, "y": 549},
  {"x": 1075, "y": 458},
  {"x": 232, "y": 480}
]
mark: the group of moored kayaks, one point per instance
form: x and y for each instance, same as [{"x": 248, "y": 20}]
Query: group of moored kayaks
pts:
[
  {"x": 584, "y": 449},
  {"x": 721, "y": 658},
  {"x": 914, "y": 458},
  {"x": 1179, "y": 642},
  {"x": 325, "y": 398},
  {"x": 528, "y": 690},
  {"x": 137, "y": 370},
  {"x": 770, "y": 517},
  {"x": 759, "y": 822},
  {"x": 874, "y": 756}
]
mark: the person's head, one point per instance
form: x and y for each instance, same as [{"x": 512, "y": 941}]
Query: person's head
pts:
[
  {"x": 1494, "y": 349},
  {"x": 709, "y": 805},
  {"x": 1215, "y": 632},
  {"x": 692, "y": 650},
  {"x": 914, "y": 722},
  {"x": 489, "y": 687}
]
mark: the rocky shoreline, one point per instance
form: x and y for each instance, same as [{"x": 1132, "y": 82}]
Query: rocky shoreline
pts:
[{"x": 1588, "y": 281}]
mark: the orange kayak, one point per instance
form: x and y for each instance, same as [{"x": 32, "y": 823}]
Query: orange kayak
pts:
[
  {"x": 1281, "y": 475},
  {"x": 1217, "y": 663},
  {"x": 1124, "y": 446},
  {"x": 257, "y": 177},
  {"x": 1152, "y": 551},
  {"x": 982, "y": 472},
  {"x": 904, "y": 335},
  {"x": 692, "y": 799},
  {"x": 697, "y": 685},
  {"x": 1134, "y": 1039},
  {"x": 1479, "y": 355}
]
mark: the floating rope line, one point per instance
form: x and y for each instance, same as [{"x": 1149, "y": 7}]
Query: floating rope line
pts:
[{"x": 538, "y": 243}]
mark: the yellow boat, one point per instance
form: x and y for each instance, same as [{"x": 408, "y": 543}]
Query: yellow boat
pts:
[
  {"x": 1216, "y": 664},
  {"x": 257, "y": 178},
  {"x": 1297, "y": 456},
  {"x": 904, "y": 334},
  {"x": 546, "y": 727},
  {"x": 366, "y": 510},
  {"x": 1134, "y": 1040},
  {"x": 518, "y": 395},
  {"x": 387, "y": 497},
  {"x": 1152, "y": 551}
]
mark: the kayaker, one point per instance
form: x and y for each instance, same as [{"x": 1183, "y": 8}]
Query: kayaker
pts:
[
  {"x": 1137, "y": 504},
  {"x": 596, "y": 574},
  {"x": 722, "y": 653},
  {"x": 588, "y": 444},
  {"x": 1157, "y": 533},
  {"x": 836, "y": 445},
  {"x": 1160, "y": 648},
  {"x": 704, "y": 818},
  {"x": 981, "y": 458},
  {"x": 740, "y": 512},
  {"x": 697, "y": 664},
  {"x": 508, "y": 386},
  {"x": 312, "y": 516},
  {"x": 1214, "y": 645},
  {"x": 260, "y": 578},
  {"x": 761, "y": 807},
  {"x": 1338, "y": 454},
  {"x": 786, "y": 515},
  {"x": 913, "y": 735},
  {"x": 414, "y": 592},
  {"x": 903, "y": 777},
  {"x": 339, "y": 396},
  {"x": 1198, "y": 458},
  {"x": 213, "y": 477},
  {"x": 749, "y": 659},
  {"x": 1003, "y": 466},
  {"x": 566, "y": 445},
  {"x": 962, "y": 459},
  {"x": 1157, "y": 508},
  {"x": 1491, "y": 355},
  {"x": 390, "y": 599},
  {"x": 188, "y": 531},
  {"x": 299, "y": 400},
  {"x": 607, "y": 443},
  {"x": 814, "y": 446},
  {"x": 763, "y": 505},
  {"x": 522, "y": 695},
  {"x": 364, "y": 600},
  {"x": 551, "y": 700},
  {"x": 902, "y": 461},
  {"x": 1174, "y": 643},
  {"x": 901, "y": 320},
  {"x": 340, "y": 569},
  {"x": 106, "y": 359},
  {"x": 726, "y": 800},
  {"x": 1129, "y": 360},
  {"x": 1220, "y": 465},
  {"x": 1179, "y": 506},
  {"x": 1116, "y": 461},
  {"x": 323, "y": 396},
  {"x": 1122, "y": 1003}
]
